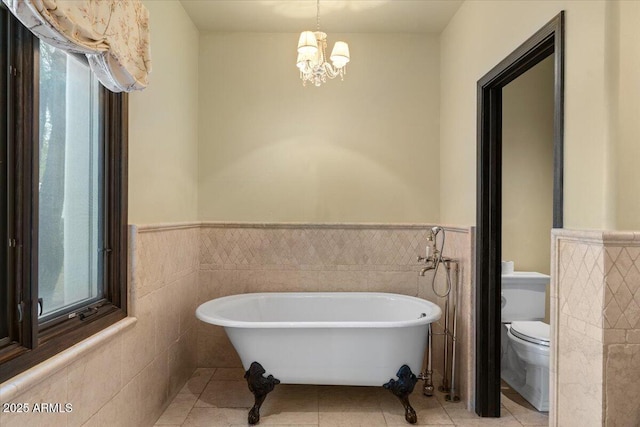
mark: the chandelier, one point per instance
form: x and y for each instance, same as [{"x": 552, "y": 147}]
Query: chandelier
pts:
[{"x": 312, "y": 56}]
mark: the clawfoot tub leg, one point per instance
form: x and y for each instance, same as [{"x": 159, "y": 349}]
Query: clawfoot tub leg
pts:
[
  {"x": 260, "y": 387},
  {"x": 402, "y": 388}
]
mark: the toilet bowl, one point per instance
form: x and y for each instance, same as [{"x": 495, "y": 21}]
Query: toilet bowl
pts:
[
  {"x": 525, "y": 339},
  {"x": 525, "y": 361}
]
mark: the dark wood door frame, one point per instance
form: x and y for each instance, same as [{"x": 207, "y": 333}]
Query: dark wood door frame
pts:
[{"x": 549, "y": 40}]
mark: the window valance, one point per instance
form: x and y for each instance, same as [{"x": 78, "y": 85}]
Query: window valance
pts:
[{"x": 113, "y": 34}]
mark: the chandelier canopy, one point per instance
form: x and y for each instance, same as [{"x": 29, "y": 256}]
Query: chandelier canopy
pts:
[{"x": 312, "y": 55}]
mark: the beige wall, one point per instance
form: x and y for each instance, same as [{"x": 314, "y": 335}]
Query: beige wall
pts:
[
  {"x": 364, "y": 149},
  {"x": 163, "y": 123},
  {"x": 480, "y": 35},
  {"x": 376, "y": 136},
  {"x": 527, "y": 169},
  {"x": 625, "y": 16}
]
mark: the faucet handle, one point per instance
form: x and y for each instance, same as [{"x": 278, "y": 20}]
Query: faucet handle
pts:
[{"x": 422, "y": 258}]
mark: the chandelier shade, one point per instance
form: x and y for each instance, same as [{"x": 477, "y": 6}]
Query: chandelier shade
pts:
[
  {"x": 307, "y": 44},
  {"x": 312, "y": 57},
  {"x": 340, "y": 54}
]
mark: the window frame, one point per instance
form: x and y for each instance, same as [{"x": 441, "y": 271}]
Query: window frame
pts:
[
  {"x": 19, "y": 123},
  {"x": 4, "y": 232}
]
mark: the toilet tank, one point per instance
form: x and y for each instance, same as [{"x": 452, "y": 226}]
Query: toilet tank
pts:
[{"x": 523, "y": 296}]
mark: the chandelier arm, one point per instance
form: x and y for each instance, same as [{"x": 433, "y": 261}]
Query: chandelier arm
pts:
[{"x": 331, "y": 72}]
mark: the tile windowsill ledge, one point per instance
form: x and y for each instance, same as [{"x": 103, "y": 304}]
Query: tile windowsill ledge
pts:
[{"x": 33, "y": 376}]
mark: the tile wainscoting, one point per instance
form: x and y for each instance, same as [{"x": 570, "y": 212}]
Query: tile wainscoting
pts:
[
  {"x": 595, "y": 308},
  {"x": 127, "y": 374},
  {"x": 241, "y": 258}
]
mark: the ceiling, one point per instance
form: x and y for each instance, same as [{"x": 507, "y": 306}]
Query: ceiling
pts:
[{"x": 348, "y": 16}]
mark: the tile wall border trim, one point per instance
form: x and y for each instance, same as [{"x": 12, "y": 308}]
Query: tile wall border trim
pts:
[
  {"x": 330, "y": 225},
  {"x": 627, "y": 238},
  {"x": 598, "y": 236},
  {"x": 585, "y": 236},
  {"x": 147, "y": 228}
]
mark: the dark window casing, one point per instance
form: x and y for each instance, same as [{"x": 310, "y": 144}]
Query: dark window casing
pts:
[{"x": 31, "y": 342}]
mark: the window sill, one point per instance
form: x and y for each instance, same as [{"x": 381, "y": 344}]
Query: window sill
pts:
[{"x": 31, "y": 377}]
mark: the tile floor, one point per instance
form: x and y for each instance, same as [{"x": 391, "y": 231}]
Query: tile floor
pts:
[{"x": 219, "y": 397}]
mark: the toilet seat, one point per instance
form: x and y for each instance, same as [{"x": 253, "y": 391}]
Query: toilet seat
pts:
[{"x": 534, "y": 332}]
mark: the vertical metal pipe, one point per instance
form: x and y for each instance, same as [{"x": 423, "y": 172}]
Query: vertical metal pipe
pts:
[
  {"x": 445, "y": 374},
  {"x": 428, "y": 381},
  {"x": 453, "y": 394},
  {"x": 453, "y": 391}
]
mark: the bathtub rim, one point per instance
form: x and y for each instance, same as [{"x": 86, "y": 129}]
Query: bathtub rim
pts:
[{"x": 433, "y": 314}]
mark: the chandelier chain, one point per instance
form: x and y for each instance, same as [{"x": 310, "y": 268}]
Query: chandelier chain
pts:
[{"x": 318, "y": 14}]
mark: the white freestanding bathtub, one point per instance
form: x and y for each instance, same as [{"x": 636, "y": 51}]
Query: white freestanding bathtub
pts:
[{"x": 339, "y": 338}]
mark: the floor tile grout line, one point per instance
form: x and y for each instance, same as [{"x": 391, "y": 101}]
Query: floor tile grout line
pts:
[
  {"x": 448, "y": 408},
  {"x": 199, "y": 394}
]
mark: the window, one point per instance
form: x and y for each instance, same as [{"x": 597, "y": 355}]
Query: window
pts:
[{"x": 63, "y": 200}]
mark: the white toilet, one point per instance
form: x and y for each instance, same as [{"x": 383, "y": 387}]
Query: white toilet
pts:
[{"x": 525, "y": 338}]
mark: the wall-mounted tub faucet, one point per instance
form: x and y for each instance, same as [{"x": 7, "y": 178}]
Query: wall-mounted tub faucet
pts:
[{"x": 433, "y": 258}]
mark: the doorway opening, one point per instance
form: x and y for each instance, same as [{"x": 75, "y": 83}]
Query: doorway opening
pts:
[{"x": 548, "y": 41}]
